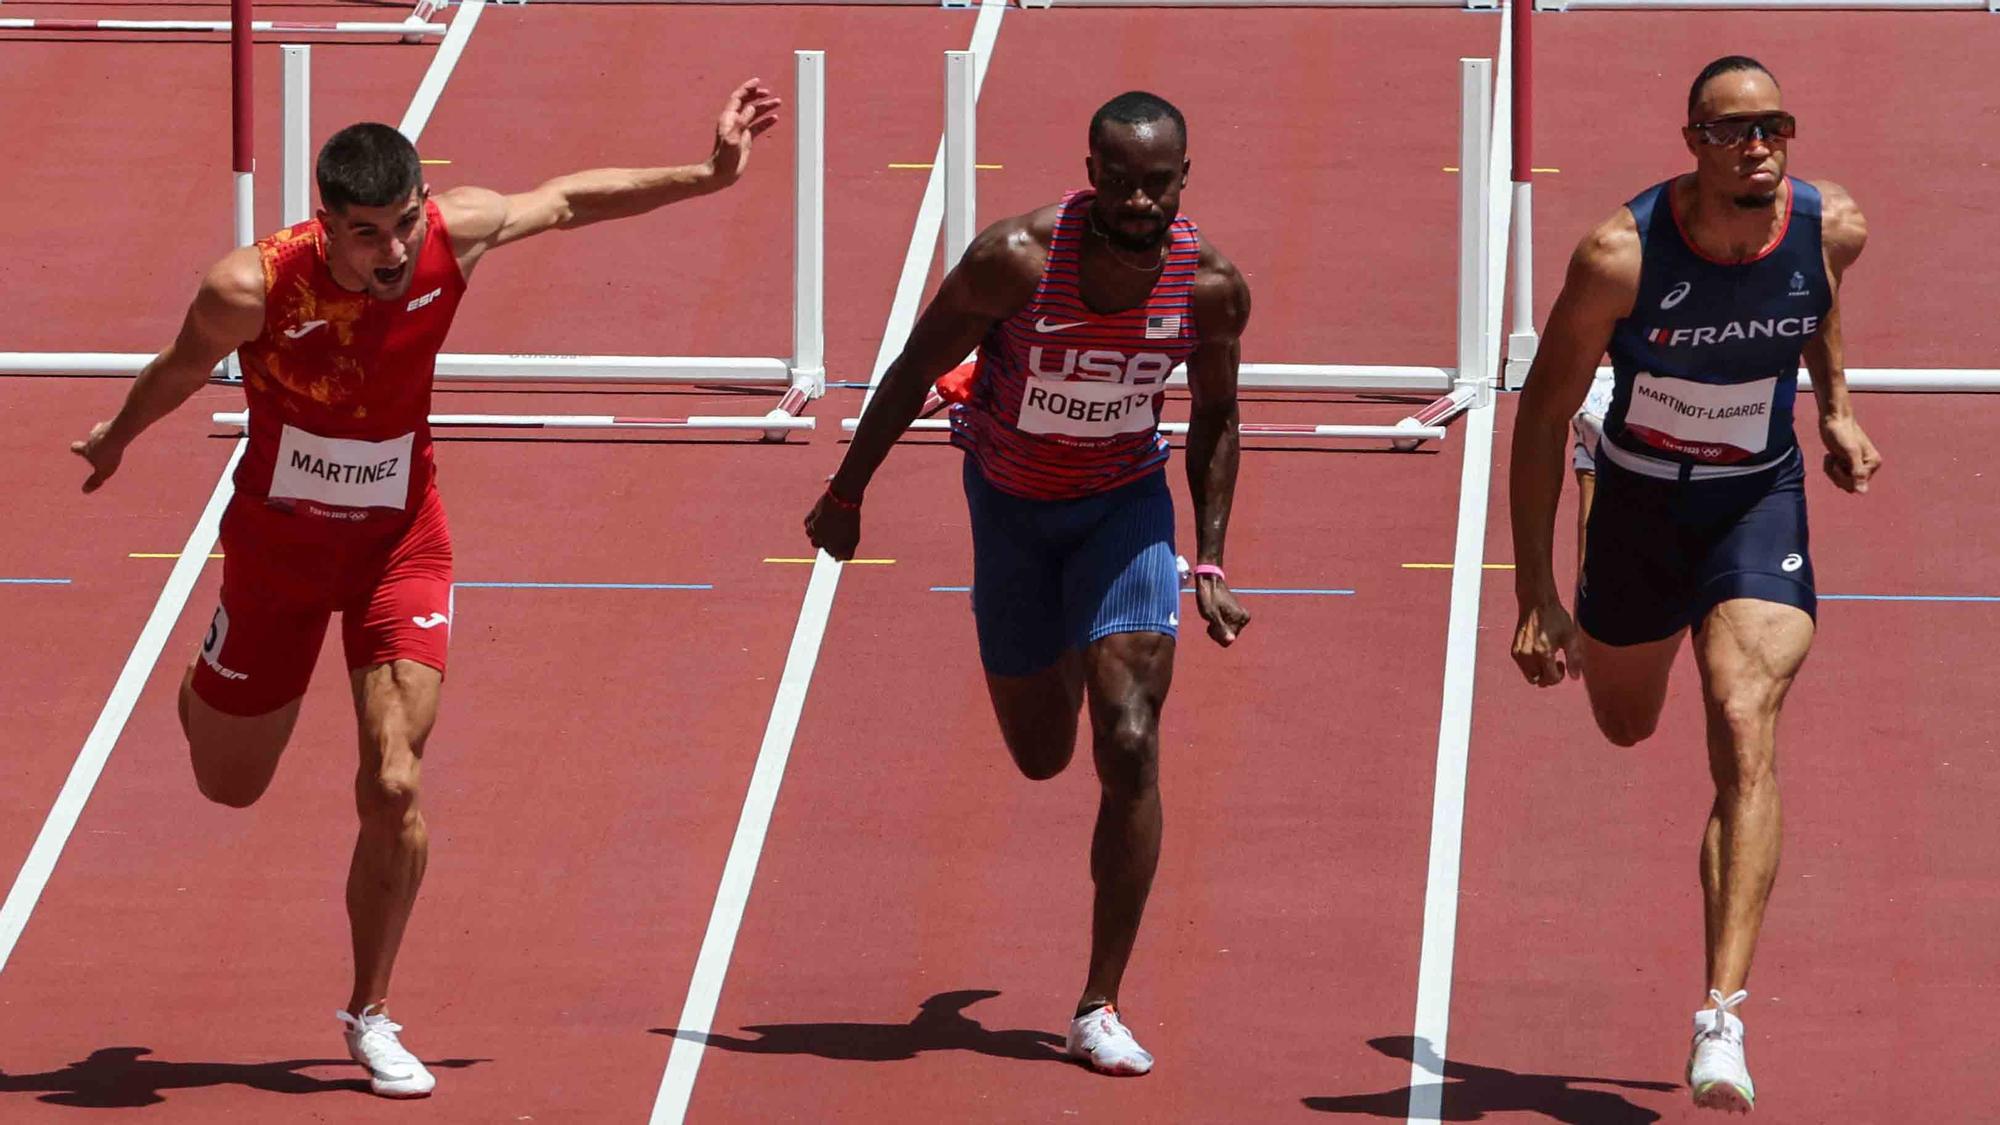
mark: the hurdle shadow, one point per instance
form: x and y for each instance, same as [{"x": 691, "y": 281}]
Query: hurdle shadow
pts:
[
  {"x": 939, "y": 1025},
  {"x": 1470, "y": 1092},
  {"x": 124, "y": 1078}
]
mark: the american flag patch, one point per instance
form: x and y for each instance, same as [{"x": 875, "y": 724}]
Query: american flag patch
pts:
[{"x": 1163, "y": 327}]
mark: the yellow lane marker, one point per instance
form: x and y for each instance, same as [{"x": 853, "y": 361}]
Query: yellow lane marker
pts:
[
  {"x": 926, "y": 167},
  {"x": 156, "y": 555},
  {"x": 1447, "y": 566},
  {"x": 435, "y": 162},
  {"x": 850, "y": 562}
]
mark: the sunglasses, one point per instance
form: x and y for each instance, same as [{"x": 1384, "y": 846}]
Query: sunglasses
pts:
[{"x": 1729, "y": 131}]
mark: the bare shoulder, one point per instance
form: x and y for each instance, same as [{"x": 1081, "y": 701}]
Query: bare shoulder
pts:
[
  {"x": 1610, "y": 253},
  {"x": 1221, "y": 295},
  {"x": 1843, "y": 230},
  {"x": 235, "y": 283},
  {"x": 471, "y": 214},
  {"x": 1006, "y": 260},
  {"x": 1604, "y": 269}
]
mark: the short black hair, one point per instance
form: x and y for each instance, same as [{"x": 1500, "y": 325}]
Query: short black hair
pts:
[
  {"x": 1727, "y": 64},
  {"x": 368, "y": 164},
  {"x": 1137, "y": 107}
]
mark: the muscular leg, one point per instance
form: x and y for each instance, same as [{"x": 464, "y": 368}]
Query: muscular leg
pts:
[
  {"x": 1128, "y": 676},
  {"x": 1748, "y": 652},
  {"x": 1627, "y": 685},
  {"x": 1037, "y": 714},
  {"x": 234, "y": 756},
  {"x": 396, "y": 705}
]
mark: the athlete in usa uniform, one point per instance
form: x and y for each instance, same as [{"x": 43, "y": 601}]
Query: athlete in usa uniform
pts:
[
  {"x": 1079, "y": 312},
  {"x": 1708, "y": 290},
  {"x": 337, "y": 322}
]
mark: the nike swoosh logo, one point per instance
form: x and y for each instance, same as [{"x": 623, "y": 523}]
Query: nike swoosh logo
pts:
[
  {"x": 1042, "y": 324},
  {"x": 435, "y": 620},
  {"x": 302, "y": 329}
]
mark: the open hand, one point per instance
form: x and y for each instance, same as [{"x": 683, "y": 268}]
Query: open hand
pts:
[
  {"x": 102, "y": 452},
  {"x": 751, "y": 110}
]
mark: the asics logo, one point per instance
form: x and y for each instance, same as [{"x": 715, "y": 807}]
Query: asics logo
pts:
[
  {"x": 308, "y": 326},
  {"x": 1793, "y": 562},
  {"x": 431, "y": 622},
  {"x": 1676, "y": 295},
  {"x": 1044, "y": 324}
]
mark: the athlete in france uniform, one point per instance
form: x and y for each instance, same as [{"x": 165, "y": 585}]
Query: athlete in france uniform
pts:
[
  {"x": 1080, "y": 311},
  {"x": 338, "y": 322},
  {"x": 1708, "y": 291}
]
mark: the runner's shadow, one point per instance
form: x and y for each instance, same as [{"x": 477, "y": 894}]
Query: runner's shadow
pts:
[
  {"x": 1471, "y": 1092},
  {"x": 940, "y": 1025},
  {"x": 121, "y": 1078}
]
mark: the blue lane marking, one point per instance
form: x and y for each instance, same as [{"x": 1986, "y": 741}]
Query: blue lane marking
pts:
[
  {"x": 585, "y": 585},
  {"x": 34, "y": 581},
  {"x": 1909, "y": 598},
  {"x": 1190, "y": 590}
]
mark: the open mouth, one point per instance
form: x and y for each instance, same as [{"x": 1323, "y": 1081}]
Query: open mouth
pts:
[{"x": 390, "y": 277}]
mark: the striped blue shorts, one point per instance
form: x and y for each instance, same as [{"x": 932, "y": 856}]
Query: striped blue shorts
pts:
[{"x": 1054, "y": 575}]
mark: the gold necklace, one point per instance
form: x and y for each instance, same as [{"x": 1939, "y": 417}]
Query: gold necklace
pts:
[{"x": 1113, "y": 247}]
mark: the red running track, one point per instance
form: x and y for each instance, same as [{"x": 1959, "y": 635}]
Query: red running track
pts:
[{"x": 918, "y": 903}]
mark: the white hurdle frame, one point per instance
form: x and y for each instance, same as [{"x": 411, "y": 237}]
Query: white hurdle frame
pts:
[
  {"x": 1425, "y": 424},
  {"x": 803, "y": 375}
]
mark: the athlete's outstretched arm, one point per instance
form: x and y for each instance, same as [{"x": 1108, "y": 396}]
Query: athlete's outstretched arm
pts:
[
  {"x": 227, "y": 312},
  {"x": 1602, "y": 283},
  {"x": 1851, "y": 459},
  {"x": 996, "y": 278},
  {"x": 480, "y": 219},
  {"x": 1221, "y": 311}
]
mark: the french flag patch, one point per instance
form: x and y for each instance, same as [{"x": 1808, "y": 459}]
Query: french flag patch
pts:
[
  {"x": 1163, "y": 327},
  {"x": 1657, "y": 336}
]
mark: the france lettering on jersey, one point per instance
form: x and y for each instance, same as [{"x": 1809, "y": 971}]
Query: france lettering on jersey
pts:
[
  {"x": 1065, "y": 402},
  {"x": 1706, "y": 366}
]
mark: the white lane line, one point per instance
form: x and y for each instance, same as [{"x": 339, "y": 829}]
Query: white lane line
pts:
[
  {"x": 89, "y": 764},
  {"x": 733, "y": 894},
  {"x": 1434, "y": 966}
]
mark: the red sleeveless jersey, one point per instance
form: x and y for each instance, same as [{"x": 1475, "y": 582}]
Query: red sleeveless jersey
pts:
[
  {"x": 339, "y": 382},
  {"x": 1065, "y": 402}
]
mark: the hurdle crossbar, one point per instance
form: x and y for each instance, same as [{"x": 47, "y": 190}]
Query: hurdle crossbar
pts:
[
  {"x": 803, "y": 375},
  {"x": 241, "y": 419},
  {"x": 1427, "y": 423},
  {"x": 1399, "y": 432},
  {"x": 408, "y": 31},
  {"x": 1875, "y": 380},
  {"x": 1769, "y": 5}
]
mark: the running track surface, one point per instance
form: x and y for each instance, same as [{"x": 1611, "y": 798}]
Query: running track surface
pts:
[{"x": 918, "y": 904}]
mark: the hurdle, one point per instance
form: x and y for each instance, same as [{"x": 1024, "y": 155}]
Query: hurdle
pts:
[
  {"x": 802, "y": 376},
  {"x": 1522, "y": 341},
  {"x": 416, "y": 27},
  {"x": 1458, "y": 388}
]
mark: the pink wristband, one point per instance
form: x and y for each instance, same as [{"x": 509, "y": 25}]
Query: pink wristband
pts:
[{"x": 1209, "y": 568}]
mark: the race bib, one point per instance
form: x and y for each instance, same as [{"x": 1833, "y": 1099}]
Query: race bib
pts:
[
  {"x": 1088, "y": 409},
  {"x": 343, "y": 472},
  {"x": 1710, "y": 422}
]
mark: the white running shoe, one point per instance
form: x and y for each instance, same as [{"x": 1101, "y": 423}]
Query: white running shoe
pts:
[
  {"x": 1098, "y": 1037},
  {"x": 1717, "y": 1076},
  {"x": 393, "y": 1072}
]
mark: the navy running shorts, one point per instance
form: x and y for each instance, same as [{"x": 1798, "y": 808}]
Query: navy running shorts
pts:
[
  {"x": 1053, "y": 575},
  {"x": 1660, "y": 554}
]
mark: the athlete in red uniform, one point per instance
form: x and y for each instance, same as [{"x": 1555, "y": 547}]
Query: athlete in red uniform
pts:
[
  {"x": 1080, "y": 311},
  {"x": 338, "y": 322}
]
